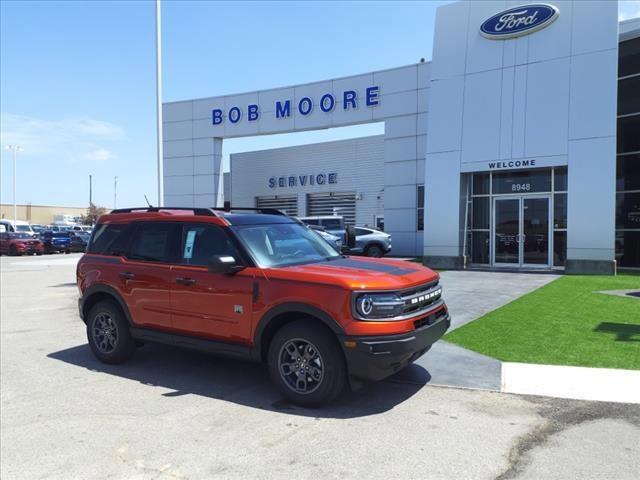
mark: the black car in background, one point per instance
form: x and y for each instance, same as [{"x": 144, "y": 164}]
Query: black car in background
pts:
[
  {"x": 56, "y": 241},
  {"x": 79, "y": 241}
]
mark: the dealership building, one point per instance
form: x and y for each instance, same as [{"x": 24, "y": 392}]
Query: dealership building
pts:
[{"x": 517, "y": 146}]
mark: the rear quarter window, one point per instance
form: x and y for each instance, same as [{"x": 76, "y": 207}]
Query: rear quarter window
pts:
[{"x": 109, "y": 239}]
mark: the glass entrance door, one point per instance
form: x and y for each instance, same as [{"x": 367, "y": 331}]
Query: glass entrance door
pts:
[
  {"x": 507, "y": 232},
  {"x": 535, "y": 231},
  {"x": 521, "y": 231}
]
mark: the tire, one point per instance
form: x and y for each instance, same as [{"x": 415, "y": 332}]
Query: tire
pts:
[
  {"x": 374, "y": 251},
  {"x": 108, "y": 333},
  {"x": 320, "y": 352},
  {"x": 38, "y": 253},
  {"x": 13, "y": 251}
]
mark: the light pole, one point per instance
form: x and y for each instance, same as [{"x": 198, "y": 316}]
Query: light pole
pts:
[
  {"x": 159, "y": 102},
  {"x": 15, "y": 148},
  {"x": 115, "y": 192}
]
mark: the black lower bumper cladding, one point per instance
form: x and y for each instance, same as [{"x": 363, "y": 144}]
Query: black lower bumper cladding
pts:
[{"x": 375, "y": 358}]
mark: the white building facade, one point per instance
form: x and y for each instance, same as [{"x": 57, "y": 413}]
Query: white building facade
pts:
[{"x": 512, "y": 149}]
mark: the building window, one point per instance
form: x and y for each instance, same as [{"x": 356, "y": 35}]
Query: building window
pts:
[
  {"x": 627, "y": 241},
  {"x": 420, "y": 209}
]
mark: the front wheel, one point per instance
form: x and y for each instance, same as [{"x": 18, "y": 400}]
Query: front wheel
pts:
[
  {"x": 13, "y": 251},
  {"x": 306, "y": 364},
  {"x": 374, "y": 251},
  {"x": 108, "y": 333}
]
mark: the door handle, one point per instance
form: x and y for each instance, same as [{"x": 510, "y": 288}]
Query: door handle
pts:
[
  {"x": 126, "y": 275},
  {"x": 185, "y": 281}
]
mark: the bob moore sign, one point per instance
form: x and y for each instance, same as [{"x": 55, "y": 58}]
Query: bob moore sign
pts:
[
  {"x": 519, "y": 21},
  {"x": 284, "y": 108}
]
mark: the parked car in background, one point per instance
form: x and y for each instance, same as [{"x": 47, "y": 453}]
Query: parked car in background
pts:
[
  {"x": 82, "y": 228},
  {"x": 331, "y": 223},
  {"x": 19, "y": 226},
  {"x": 58, "y": 228},
  {"x": 56, "y": 241},
  {"x": 79, "y": 241},
  {"x": 37, "y": 228},
  {"x": 20, "y": 244},
  {"x": 371, "y": 242},
  {"x": 334, "y": 240}
]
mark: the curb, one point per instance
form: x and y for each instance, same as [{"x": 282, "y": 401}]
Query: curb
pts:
[{"x": 580, "y": 383}]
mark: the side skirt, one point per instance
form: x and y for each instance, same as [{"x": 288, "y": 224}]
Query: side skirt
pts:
[{"x": 214, "y": 347}]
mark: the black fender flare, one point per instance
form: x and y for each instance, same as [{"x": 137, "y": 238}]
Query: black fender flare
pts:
[
  {"x": 291, "y": 307},
  {"x": 101, "y": 289}
]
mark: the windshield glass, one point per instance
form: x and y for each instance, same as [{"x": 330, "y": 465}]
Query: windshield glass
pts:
[
  {"x": 20, "y": 235},
  {"x": 23, "y": 228},
  {"x": 278, "y": 245}
]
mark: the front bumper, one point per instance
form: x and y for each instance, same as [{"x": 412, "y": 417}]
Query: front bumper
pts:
[{"x": 375, "y": 358}]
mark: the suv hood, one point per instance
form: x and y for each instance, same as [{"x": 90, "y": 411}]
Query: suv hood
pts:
[{"x": 358, "y": 273}]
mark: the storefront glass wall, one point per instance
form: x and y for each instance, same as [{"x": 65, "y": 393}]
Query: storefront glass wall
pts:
[
  {"x": 517, "y": 207},
  {"x": 628, "y": 159}
]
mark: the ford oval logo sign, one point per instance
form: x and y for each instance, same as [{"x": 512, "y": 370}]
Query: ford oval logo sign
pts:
[{"x": 519, "y": 21}]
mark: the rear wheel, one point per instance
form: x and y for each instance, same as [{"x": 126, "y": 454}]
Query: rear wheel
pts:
[
  {"x": 306, "y": 364},
  {"x": 108, "y": 333},
  {"x": 373, "y": 251}
]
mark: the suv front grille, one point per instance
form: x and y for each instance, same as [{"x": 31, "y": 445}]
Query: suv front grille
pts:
[{"x": 420, "y": 299}]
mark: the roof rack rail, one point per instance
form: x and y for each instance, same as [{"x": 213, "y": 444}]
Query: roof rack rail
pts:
[
  {"x": 265, "y": 211},
  {"x": 196, "y": 211}
]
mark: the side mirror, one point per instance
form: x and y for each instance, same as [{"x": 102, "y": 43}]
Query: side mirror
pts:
[{"x": 224, "y": 264}]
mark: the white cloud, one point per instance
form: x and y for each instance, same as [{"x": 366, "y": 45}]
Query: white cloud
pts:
[
  {"x": 65, "y": 139},
  {"x": 99, "y": 155},
  {"x": 628, "y": 9}
]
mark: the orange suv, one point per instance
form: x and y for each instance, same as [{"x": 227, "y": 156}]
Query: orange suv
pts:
[{"x": 255, "y": 284}]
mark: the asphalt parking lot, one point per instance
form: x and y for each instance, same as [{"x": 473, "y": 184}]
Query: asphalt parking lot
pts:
[{"x": 176, "y": 414}]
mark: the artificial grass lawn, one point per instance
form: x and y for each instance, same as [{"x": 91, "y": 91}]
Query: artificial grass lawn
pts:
[{"x": 563, "y": 323}]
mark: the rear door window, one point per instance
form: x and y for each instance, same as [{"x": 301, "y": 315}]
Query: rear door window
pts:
[{"x": 153, "y": 242}]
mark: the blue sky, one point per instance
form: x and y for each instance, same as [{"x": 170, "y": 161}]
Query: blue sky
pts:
[{"x": 77, "y": 79}]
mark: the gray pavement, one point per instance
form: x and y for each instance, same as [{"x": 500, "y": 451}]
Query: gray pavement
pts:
[
  {"x": 471, "y": 294},
  {"x": 176, "y": 414}
]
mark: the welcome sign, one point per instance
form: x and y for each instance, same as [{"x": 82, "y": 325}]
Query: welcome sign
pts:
[{"x": 519, "y": 21}]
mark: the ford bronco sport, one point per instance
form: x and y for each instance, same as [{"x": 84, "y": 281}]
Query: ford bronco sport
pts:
[{"x": 258, "y": 285}]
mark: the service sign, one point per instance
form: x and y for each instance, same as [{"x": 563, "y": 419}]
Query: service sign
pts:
[{"x": 519, "y": 21}]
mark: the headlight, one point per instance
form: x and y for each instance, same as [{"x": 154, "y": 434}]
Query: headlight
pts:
[{"x": 378, "y": 306}]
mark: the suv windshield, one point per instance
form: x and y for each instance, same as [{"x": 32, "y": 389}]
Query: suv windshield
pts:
[
  {"x": 23, "y": 228},
  {"x": 278, "y": 245}
]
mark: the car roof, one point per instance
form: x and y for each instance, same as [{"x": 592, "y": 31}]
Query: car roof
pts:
[{"x": 219, "y": 216}]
